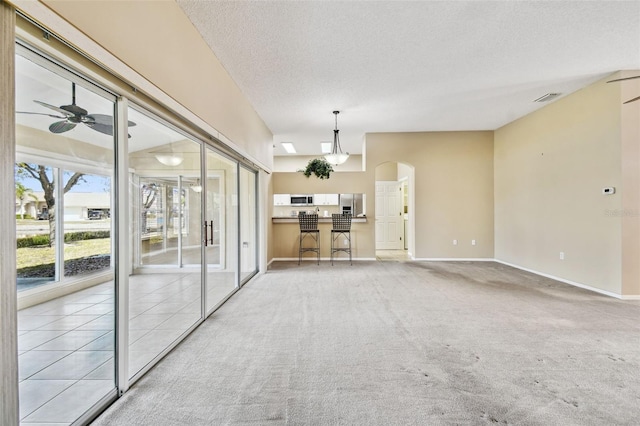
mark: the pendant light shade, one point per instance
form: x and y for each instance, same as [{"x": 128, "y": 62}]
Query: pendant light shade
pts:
[
  {"x": 337, "y": 156},
  {"x": 170, "y": 159}
]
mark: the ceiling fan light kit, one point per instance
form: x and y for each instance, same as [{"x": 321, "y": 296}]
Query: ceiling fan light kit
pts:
[
  {"x": 336, "y": 156},
  {"x": 171, "y": 160}
]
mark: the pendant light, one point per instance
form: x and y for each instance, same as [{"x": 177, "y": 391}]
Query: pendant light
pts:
[{"x": 336, "y": 157}]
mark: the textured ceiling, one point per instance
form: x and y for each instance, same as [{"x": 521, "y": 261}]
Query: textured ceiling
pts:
[{"x": 392, "y": 66}]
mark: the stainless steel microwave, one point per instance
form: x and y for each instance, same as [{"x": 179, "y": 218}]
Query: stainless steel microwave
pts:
[{"x": 301, "y": 200}]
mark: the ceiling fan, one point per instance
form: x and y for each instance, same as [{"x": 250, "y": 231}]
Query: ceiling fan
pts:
[
  {"x": 626, "y": 78},
  {"x": 73, "y": 115}
]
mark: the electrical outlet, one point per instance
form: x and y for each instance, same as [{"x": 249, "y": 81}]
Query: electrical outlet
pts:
[
  {"x": 455, "y": 242},
  {"x": 473, "y": 242},
  {"x": 561, "y": 255}
]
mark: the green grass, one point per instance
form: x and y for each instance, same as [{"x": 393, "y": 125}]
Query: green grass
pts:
[{"x": 42, "y": 255}]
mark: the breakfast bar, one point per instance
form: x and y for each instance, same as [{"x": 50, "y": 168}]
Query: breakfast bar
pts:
[{"x": 286, "y": 232}]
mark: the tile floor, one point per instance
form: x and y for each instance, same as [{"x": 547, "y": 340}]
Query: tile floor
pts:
[
  {"x": 392, "y": 255},
  {"x": 66, "y": 345}
]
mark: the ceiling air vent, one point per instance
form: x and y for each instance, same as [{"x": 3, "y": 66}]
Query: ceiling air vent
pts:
[{"x": 548, "y": 97}]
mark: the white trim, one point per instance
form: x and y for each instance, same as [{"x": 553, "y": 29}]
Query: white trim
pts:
[
  {"x": 123, "y": 191},
  {"x": 573, "y": 283},
  {"x": 454, "y": 259},
  {"x": 315, "y": 259},
  {"x": 631, "y": 297}
]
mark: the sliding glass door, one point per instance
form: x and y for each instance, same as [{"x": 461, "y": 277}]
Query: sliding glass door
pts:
[
  {"x": 165, "y": 282},
  {"x": 64, "y": 169},
  {"x": 130, "y": 232},
  {"x": 221, "y": 227},
  {"x": 248, "y": 224}
]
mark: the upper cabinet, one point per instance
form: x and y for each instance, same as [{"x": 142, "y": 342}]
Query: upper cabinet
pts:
[
  {"x": 326, "y": 199},
  {"x": 281, "y": 199}
]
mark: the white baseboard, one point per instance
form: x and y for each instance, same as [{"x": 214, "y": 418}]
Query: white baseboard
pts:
[
  {"x": 454, "y": 259},
  {"x": 573, "y": 283},
  {"x": 315, "y": 259}
]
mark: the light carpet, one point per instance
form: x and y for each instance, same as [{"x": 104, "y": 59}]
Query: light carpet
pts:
[{"x": 399, "y": 343}]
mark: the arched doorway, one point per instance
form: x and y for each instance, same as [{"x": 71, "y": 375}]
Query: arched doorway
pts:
[{"x": 393, "y": 211}]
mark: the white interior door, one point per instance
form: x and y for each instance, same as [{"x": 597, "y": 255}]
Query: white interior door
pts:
[{"x": 389, "y": 220}]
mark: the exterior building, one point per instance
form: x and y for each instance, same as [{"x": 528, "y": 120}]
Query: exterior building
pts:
[{"x": 78, "y": 206}]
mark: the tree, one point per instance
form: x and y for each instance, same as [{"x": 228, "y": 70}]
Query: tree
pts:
[
  {"x": 39, "y": 172},
  {"x": 22, "y": 193},
  {"x": 149, "y": 194}
]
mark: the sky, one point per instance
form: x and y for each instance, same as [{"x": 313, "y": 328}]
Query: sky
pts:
[{"x": 90, "y": 183}]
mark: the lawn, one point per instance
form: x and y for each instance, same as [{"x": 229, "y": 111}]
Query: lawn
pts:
[{"x": 42, "y": 255}]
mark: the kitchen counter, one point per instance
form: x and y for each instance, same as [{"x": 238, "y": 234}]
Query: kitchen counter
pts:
[
  {"x": 321, "y": 219},
  {"x": 286, "y": 238}
]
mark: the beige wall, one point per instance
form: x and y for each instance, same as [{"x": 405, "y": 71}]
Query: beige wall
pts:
[
  {"x": 157, "y": 40},
  {"x": 550, "y": 168},
  {"x": 453, "y": 189},
  {"x": 293, "y": 163},
  {"x": 630, "y": 135},
  {"x": 387, "y": 171},
  {"x": 267, "y": 207}
]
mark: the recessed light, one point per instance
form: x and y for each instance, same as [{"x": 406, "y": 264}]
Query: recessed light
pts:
[
  {"x": 325, "y": 147},
  {"x": 288, "y": 146}
]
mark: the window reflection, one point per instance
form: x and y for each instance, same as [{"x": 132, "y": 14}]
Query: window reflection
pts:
[
  {"x": 64, "y": 164},
  {"x": 248, "y": 235},
  {"x": 165, "y": 285},
  {"x": 222, "y": 216}
]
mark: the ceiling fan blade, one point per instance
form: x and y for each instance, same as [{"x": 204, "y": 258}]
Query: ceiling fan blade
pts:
[
  {"x": 40, "y": 113},
  {"x": 622, "y": 79},
  {"x": 632, "y": 100},
  {"x": 55, "y": 108},
  {"x": 107, "y": 129},
  {"x": 106, "y": 119},
  {"x": 61, "y": 127}
]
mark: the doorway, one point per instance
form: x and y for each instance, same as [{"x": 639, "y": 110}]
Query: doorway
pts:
[{"x": 393, "y": 224}]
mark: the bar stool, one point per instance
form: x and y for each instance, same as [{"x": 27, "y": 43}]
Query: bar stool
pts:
[
  {"x": 308, "y": 228},
  {"x": 341, "y": 229}
]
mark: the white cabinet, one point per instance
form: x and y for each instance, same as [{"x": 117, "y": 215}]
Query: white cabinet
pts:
[
  {"x": 332, "y": 199},
  {"x": 326, "y": 199},
  {"x": 281, "y": 199}
]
